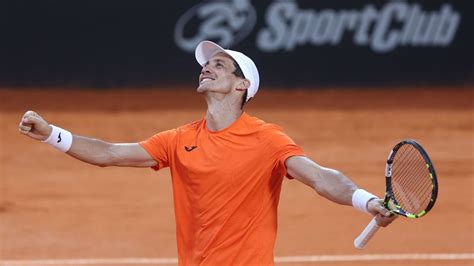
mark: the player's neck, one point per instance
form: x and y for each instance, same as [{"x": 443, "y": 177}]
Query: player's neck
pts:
[{"x": 221, "y": 115}]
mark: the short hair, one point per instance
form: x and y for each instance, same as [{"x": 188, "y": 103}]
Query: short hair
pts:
[{"x": 238, "y": 72}]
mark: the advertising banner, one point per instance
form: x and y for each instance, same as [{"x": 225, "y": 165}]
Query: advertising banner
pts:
[{"x": 294, "y": 43}]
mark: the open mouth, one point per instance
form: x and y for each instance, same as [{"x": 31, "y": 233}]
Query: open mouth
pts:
[{"x": 204, "y": 80}]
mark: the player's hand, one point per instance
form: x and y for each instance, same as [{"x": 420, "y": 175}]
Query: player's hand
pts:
[
  {"x": 34, "y": 126},
  {"x": 383, "y": 216}
]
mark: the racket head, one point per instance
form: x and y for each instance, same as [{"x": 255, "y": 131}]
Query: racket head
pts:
[{"x": 411, "y": 181}]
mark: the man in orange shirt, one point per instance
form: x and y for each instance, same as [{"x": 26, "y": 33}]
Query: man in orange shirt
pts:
[{"x": 227, "y": 169}]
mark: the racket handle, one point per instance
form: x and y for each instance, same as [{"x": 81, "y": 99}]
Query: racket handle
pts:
[{"x": 361, "y": 241}]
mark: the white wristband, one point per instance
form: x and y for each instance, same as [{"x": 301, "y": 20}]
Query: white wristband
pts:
[
  {"x": 361, "y": 198},
  {"x": 60, "y": 139}
]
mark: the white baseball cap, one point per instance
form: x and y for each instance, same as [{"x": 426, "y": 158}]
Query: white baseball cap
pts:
[{"x": 207, "y": 49}]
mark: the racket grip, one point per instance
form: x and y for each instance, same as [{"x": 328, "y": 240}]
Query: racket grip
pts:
[{"x": 361, "y": 241}]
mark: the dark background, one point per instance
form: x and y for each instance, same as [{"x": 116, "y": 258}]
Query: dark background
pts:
[{"x": 123, "y": 43}]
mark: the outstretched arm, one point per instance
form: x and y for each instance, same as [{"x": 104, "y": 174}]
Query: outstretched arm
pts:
[
  {"x": 329, "y": 183},
  {"x": 333, "y": 185},
  {"x": 89, "y": 150},
  {"x": 103, "y": 154}
]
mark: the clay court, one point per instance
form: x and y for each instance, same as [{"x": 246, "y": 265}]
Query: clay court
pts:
[{"x": 55, "y": 210}]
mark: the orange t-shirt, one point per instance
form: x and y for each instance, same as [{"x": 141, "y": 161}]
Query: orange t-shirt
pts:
[{"x": 226, "y": 188}]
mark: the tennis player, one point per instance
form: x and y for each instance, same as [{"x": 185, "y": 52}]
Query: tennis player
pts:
[{"x": 227, "y": 168}]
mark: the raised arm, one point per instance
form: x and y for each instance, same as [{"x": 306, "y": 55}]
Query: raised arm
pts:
[
  {"x": 89, "y": 150},
  {"x": 334, "y": 186}
]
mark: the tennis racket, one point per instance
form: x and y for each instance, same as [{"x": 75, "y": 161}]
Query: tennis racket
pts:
[{"x": 411, "y": 186}]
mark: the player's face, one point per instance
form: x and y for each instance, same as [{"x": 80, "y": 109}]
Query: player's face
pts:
[{"x": 217, "y": 75}]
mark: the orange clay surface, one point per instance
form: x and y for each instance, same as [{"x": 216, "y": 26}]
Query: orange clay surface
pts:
[{"x": 55, "y": 207}]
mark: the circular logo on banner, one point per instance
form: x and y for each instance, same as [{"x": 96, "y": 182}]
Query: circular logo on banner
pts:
[{"x": 225, "y": 22}]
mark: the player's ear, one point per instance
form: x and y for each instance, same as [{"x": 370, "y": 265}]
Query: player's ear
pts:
[{"x": 243, "y": 84}]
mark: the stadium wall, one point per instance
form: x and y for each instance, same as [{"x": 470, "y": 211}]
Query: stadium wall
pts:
[{"x": 295, "y": 43}]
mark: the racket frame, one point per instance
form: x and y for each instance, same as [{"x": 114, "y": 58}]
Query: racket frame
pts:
[
  {"x": 362, "y": 240},
  {"x": 390, "y": 198}
]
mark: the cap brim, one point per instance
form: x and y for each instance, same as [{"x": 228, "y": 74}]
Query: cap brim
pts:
[{"x": 206, "y": 50}]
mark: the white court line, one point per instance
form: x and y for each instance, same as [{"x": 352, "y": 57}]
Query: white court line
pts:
[
  {"x": 316, "y": 258},
  {"x": 378, "y": 257}
]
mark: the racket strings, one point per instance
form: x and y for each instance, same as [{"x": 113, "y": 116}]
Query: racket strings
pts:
[
  {"x": 409, "y": 191},
  {"x": 408, "y": 170},
  {"x": 416, "y": 160},
  {"x": 411, "y": 182},
  {"x": 412, "y": 200},
  {"x": 419, "y": 190},
  {"x": 404, "y": 187}
]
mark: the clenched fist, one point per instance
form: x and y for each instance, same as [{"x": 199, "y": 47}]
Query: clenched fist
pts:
[{"x": 34, "y": 126}]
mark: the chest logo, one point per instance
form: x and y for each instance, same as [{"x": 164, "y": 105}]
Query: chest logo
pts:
[{"x": 188, "y": 149}]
